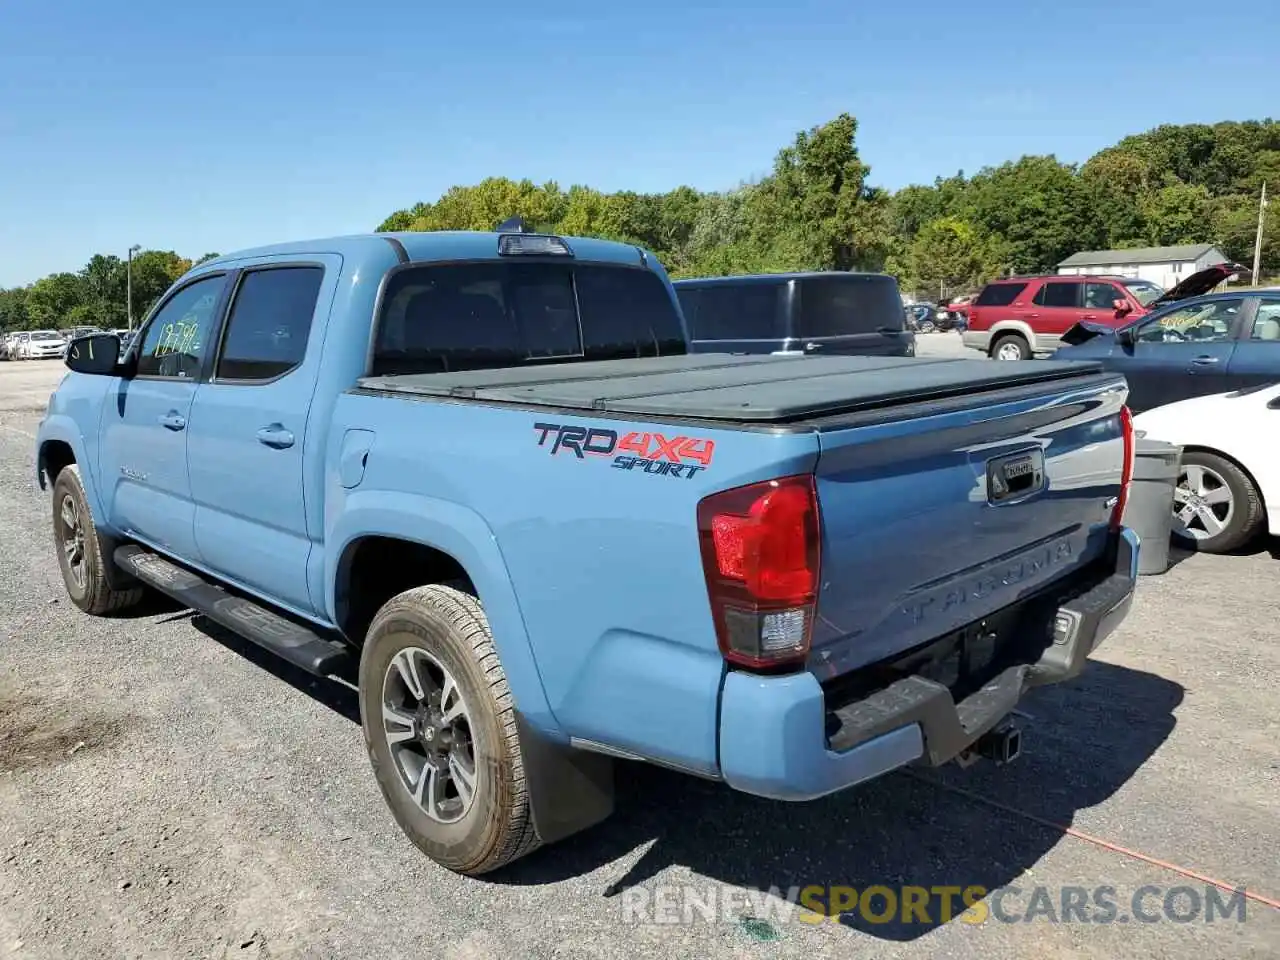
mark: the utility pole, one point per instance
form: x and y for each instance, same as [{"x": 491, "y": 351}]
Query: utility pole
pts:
[
  {"x": 128, "y": 282},
  {"x": 1257, "y": 243}
]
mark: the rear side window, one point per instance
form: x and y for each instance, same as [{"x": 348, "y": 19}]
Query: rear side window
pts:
[
  {"x": 736, "y": 311},
  {"x": 1058, "y": 294},
  {"x": 999, "y": 294},
  {"x": 269, "y": 324},
  {"x": 836, "y": 308},
  {"x": 480, "y": 316}
]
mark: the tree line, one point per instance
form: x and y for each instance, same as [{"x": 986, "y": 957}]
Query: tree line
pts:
[
  {"x": 816, "y": 209},
  {"x": 94, "y": 296}
]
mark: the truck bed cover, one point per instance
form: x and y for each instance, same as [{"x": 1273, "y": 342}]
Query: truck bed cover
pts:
[{"x": 754, "y": 389}]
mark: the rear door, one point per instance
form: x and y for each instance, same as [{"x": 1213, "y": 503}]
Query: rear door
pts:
[
  {"x": 850, "y": 314},
  {"x": 1256, "y": 360},
  {"x": 247, "y": 437},
  {"x": 728, "y": 317},
  {"x": 1181, "y": 352},
  {"x": 1055, "y": 308}
]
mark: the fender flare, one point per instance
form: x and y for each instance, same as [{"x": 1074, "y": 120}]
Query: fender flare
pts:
[
  {"x": 60, "y": 427},
  {"x": 463, "y": 534}
]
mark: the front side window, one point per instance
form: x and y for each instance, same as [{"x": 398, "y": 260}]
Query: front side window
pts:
[
  {"x": 1196, "y": 323},
  {"x": 1057, "y": 294},
  {"x": 480, "y": 316},
  {"x": 178, "y": 336},
  {"x": 1101, "y": 296},
  {"x": 269, "y": 324}
]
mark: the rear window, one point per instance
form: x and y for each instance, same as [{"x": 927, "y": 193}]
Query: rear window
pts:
[
  {"x": 999, "y": 294},
  {"x": 734, "y": 311},
  {"x": 856, "y": 304},
  {"x": 479, "y": 316}
]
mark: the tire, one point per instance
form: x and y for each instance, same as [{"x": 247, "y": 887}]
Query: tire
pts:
[
  {"x": 1207, "y": 520},
  {"x": 441, "y": 634},
  {"x": 83, "y": 552},
  {"x": 1003, "y": 347},
  {"x": 927, "y": 327}
]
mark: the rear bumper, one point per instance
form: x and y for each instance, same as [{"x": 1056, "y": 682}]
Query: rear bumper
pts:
[{"x": 778, "y": 738}]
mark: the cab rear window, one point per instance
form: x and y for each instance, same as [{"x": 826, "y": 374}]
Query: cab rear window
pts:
[{"x": 479, "y": 316}]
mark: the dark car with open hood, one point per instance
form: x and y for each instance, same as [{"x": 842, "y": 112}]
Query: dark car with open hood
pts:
[{"x": 1189, "y": 347}]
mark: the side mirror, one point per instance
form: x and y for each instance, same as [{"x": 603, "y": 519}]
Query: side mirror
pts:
[
  {"x": 1127, "y": 336},
  {"x": 97, "y": 353},
  {"x": 1122, "y": 306}
]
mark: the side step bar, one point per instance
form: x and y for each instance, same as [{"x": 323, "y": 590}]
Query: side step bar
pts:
[{"x": 300, "y": 646}]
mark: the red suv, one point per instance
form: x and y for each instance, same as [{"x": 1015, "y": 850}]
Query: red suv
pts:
[{"x": 1016, "y": 318}]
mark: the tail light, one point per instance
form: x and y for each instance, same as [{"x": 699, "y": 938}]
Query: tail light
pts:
[
  {"x": 760, "y": 553},
  {"x": 1126, "y": 476}
]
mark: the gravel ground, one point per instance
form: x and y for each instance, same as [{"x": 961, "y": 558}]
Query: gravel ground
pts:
[{"x": 168, "y": 791}]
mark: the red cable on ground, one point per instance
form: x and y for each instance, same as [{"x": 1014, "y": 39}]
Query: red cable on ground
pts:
[{"x": 1096, "y": 841}]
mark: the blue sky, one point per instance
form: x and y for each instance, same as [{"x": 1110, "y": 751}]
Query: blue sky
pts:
[{"x": 209, "y": 127}]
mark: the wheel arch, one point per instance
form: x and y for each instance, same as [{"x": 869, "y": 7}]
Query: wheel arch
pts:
[
  {"x": 1002, "y": 328},
  {"x": 448, "y": 542}
]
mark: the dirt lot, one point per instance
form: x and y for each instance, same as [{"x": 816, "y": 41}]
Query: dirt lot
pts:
[{"x": 167, "y": 791}]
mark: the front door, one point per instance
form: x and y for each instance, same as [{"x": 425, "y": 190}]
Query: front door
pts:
[
  {"x": 1179, "y": 353},
  {"x": 248, "y": 434},
  {"x": 144, "y": 425}
]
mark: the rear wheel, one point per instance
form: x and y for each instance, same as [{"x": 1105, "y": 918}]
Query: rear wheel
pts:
[
  {"x": 439, "y": 725},
  {"x": 83, "y": 554},
  {"x": 1216, "y": 507},
  {"x": 1010, "y": 346}
]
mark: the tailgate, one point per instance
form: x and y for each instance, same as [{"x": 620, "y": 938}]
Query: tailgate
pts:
[{"x": 931, "y": 522}]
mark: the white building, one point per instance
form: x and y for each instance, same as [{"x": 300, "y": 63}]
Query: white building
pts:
[{"x": 1166, "y": 266}]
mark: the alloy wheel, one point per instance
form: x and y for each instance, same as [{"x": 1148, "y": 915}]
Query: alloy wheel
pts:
[
  {"x": 71, "y": 536},
  {"x": 1202, "y": 502},
  {"x": 429, "y": 734}
]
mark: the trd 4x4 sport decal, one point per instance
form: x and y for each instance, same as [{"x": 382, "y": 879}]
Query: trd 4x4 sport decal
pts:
[{"x": 651, "y": 453}]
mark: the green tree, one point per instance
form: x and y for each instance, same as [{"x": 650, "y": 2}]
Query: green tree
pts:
[
  {"x": 1177, "y": 213},
  {"x": 52, "y": 298},
  {"x": 948, "y": 255}
]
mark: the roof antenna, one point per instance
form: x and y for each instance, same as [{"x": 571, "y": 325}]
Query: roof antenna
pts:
[{"x": 514, "y": 224}]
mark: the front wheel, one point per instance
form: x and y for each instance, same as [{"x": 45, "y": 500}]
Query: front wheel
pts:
[
  {"x": 439, "y": 725},
  {"x": 1216, "y": 507},
  {"x": 83, "y": 554}
]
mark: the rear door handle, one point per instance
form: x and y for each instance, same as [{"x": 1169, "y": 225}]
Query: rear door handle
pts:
[
  {"x": 275, "y": 436},
  {"x": 173, "y": 420},
  {"x": 1204, "y": 361},
  {"x": 811, "y": 347}
]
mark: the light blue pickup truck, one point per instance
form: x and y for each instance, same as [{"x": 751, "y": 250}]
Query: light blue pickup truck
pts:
[{"x": 482, "y": 473}]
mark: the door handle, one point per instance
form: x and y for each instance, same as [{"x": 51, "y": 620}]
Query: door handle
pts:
[
  {"x": 1090, "y": 316},
  {"x": 1033, "y": 316},
  {"x": 1203, "y": 361},
  {"x": 173, "y": 420},
  {"x": 275, "y": 436},
  {"x": 812, "y": 347}
]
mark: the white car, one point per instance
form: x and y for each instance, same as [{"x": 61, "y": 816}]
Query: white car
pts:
[
  {"x": 1229, "y": 487},
  {"x": 44, "y": 345}
]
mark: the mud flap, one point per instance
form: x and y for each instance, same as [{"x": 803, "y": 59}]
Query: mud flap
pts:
[{"x": 569, "y": 790}]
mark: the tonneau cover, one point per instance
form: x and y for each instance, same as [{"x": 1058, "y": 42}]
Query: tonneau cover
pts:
[{"x": 711, "y": 386}]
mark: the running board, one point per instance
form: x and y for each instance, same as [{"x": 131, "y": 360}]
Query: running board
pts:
[{"x": 300, "y": 646}]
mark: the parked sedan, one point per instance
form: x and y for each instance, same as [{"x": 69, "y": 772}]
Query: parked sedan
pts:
[
  {"x": 43, "y": 345},
  {"x": 1191, "y": 348},
  {"x": 1229, "y": 487}
]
